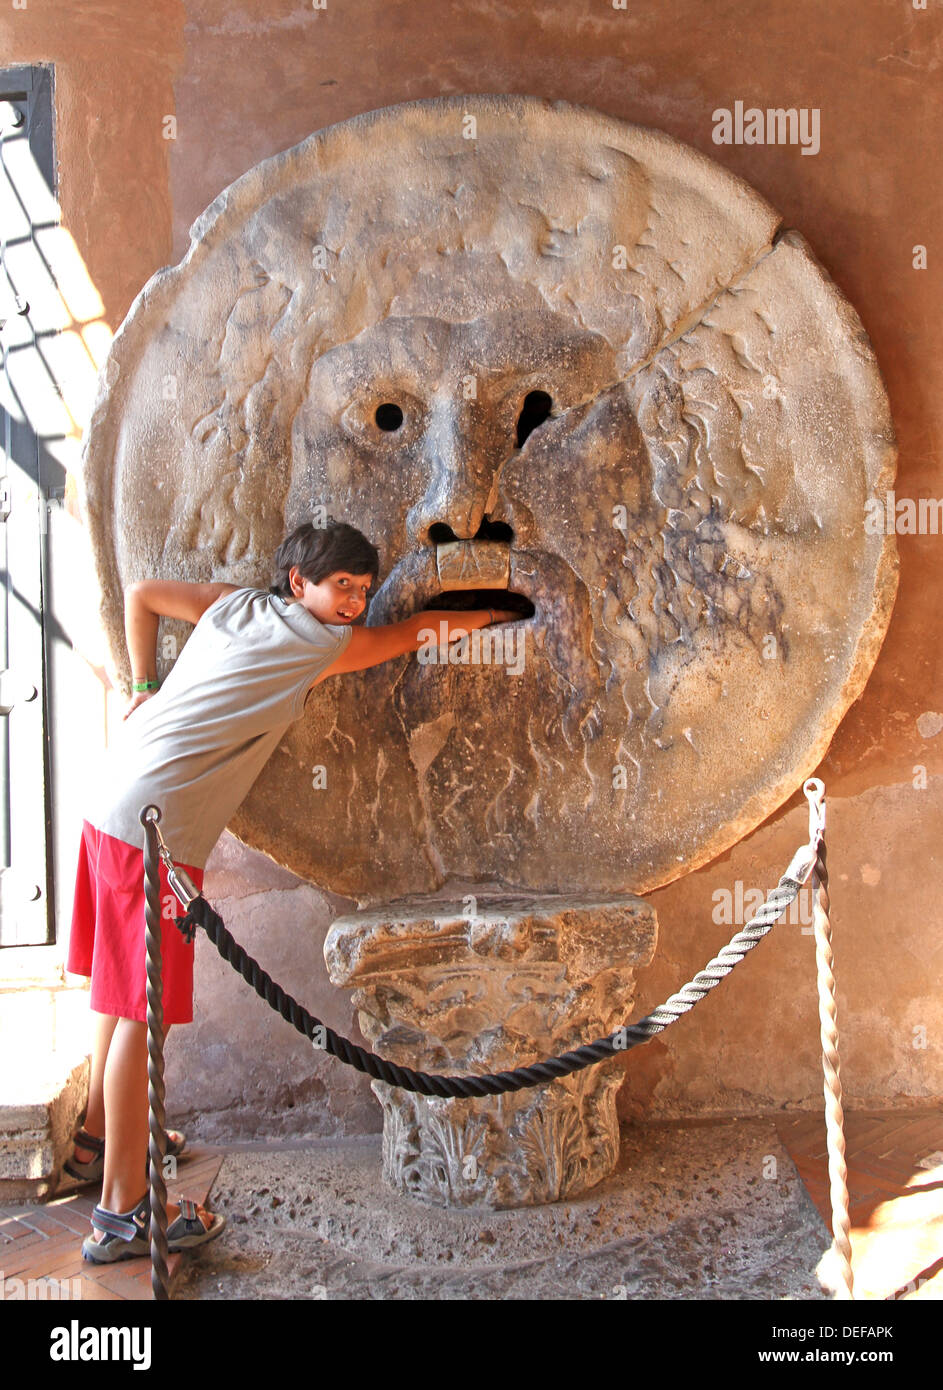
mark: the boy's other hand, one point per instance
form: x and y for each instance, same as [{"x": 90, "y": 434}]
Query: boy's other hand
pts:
[{"x": 137, "y": 699}]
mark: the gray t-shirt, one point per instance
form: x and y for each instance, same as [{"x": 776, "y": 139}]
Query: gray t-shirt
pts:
[{"x": 195, "y": 748}]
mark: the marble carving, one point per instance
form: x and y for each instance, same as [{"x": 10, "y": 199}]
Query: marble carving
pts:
[
  {"x": 548, "y": 360},
  {"x": 687, "y": 519}
]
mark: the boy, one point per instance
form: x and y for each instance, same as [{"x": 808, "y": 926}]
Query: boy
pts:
[{"x": 194, "y": 748}]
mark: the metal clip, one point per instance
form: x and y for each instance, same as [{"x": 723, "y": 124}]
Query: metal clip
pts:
[
  {"x": 803, "y": 862},
  {"x": 182, "y": 884},
  {"x": 814, "y": 790},
  {"x": 178, "y": 878}
]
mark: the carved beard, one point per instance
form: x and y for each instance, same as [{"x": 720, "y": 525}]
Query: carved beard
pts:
[
  {"x": 493, "y": 758},
  {"x": 483, "y": 739}
]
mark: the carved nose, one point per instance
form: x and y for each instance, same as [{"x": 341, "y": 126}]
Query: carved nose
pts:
[
  {"x": 460, "y": 475},
  {"x": 454, "y": 505},
  {"x": 464, "y": 458}
]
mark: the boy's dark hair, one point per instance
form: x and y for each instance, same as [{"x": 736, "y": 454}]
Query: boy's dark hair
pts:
[{"x": 321, "y": 550}]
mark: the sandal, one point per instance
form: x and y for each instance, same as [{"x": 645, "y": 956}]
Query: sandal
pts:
[
  {"x": 187, "y": 1230},
  {"x": 93, "y": 1170},
  {"x": 127, "y": 1233},
  {"x": 175, "y": 1147}
]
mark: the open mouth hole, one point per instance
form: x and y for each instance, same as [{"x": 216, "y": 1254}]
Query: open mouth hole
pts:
[
  {"x": 462, "y": 600},
  {"x": 489, "y": 530}
]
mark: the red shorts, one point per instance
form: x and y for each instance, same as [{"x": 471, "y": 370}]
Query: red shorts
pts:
[{"x": 107, "y": 940}]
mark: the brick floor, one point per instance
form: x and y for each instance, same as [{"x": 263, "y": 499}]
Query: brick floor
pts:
[
  {"x": 896, "y": 1211},
  {"x": 896, "y": 1206},
  {"x": 45, "y": 1242}
]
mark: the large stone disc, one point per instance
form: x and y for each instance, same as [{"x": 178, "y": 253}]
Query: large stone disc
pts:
[{"x": 688, "y": 520}]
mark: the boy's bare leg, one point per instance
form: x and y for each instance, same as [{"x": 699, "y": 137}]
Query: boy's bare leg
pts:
[
  {"x": 126, "y": 1116},
  {"x": 94, "y": 1123},
  {"x": 125, "y": 1088}
]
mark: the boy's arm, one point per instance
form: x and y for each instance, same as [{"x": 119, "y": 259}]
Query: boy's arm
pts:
[
  {"x": 370, "y": 646},
  {"x": 148, "y": 601}
]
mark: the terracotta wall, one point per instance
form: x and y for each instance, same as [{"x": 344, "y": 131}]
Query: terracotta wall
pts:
[{"x": 244, "y": 80}]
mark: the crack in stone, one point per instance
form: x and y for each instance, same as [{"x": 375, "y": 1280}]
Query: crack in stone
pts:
[{"x": 693, "y": 320}]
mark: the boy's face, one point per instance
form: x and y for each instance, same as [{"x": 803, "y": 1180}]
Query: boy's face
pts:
[{"x": 340, "y": 598}]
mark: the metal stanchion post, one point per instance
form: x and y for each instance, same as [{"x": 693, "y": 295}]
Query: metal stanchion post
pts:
[
  {"x": 150, "y": 815},
  {"x": 828, "y": 1023}
]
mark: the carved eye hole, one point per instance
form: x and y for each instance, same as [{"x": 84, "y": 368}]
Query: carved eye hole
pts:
[
  {"x": 535, "y": 410},
  {"x": 388, "y": 417}
]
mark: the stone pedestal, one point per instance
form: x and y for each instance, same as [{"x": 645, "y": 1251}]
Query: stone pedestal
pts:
[{"x": 484, "y": 982}]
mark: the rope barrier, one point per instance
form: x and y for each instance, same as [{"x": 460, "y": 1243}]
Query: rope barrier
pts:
[
  {"x": 200, "y": 914},
  {"x": 809, "y": 861}
]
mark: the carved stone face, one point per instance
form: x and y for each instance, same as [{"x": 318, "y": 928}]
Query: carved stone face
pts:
[{"x": 567, "y": 361}]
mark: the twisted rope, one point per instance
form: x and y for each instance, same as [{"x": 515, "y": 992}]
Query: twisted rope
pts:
[
  {"x": 200, "y": 914},
  {"x": 155, "y": 1057}
]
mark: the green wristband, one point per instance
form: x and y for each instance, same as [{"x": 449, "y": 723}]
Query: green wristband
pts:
[{"x": 142, "y": 687}]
